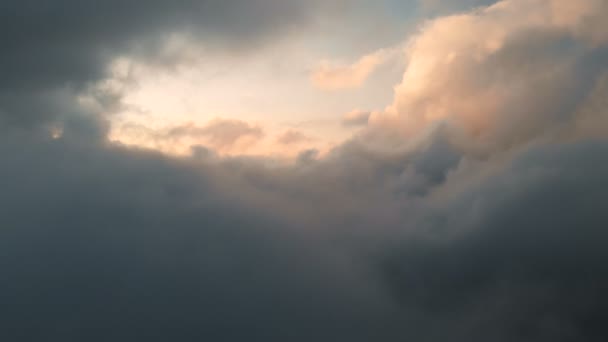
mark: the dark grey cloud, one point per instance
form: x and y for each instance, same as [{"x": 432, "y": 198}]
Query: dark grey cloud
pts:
[
  {"x": 517, "y": 257},
  {"x": 105, "y": 243},
  {"x": 101, "y": 242},
  {"x": 68, "y": 45},
  {"x": 70, "y": 42}
]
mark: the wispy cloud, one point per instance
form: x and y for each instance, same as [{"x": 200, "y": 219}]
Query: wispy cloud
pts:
[
  {"x": 222, "y": 135},
  {"x": 292, "y": 137},
  {"x": 332, "y": 75},
  {"x": 356, "y": 118}
]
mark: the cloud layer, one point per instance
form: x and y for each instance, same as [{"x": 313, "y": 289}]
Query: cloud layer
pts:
[{"x": 472, "y": 209}]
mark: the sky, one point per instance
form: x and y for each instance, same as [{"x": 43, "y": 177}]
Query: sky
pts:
[
  {"x": 301, "y": 83},
  {"x": 290, "y": 170}
]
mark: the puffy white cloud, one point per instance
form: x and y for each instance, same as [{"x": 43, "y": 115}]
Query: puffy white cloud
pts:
[{"x": 501, "y": 75}]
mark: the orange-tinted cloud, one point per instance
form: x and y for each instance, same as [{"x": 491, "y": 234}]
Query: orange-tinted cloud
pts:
[
  {"x": 336, "y": 76},
  {"x": 498, "y": 75},
  {"x": 356, "y": 118},
  {"x": 221, "y": 135},
  {"x": 292, "y": 137}
]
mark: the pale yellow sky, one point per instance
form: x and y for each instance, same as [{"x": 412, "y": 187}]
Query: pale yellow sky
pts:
[
  {"x": 277, "y": 90},
  {"x": 302, "y": 86}
]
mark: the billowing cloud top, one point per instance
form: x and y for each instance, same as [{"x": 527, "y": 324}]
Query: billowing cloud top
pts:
[{"x": 471, "y": 208}]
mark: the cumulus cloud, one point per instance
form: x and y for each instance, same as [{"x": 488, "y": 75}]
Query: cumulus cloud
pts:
[
  {"x": 471, "y": 209},
  {"x": 501, "y": 73}
]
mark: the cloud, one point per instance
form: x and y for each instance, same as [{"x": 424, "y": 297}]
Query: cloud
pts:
[
  {"x": 221, "y": 135},
  {"x": 443, "y": 6},
  {"x": 131, "y": 238},
  {"x": 471, "y": 209},
  {"x": 113, "y": 223},
  {"x": 356, "y": 118},
  {"x": 292, "y": 137},
  {"x": 72, "y": 47},
  {"x": 503, "y": 266},
  {"x": 337, "y": 76},
  {"x": 77, "y": 44},
  {"x": 501, "y": 73}
]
